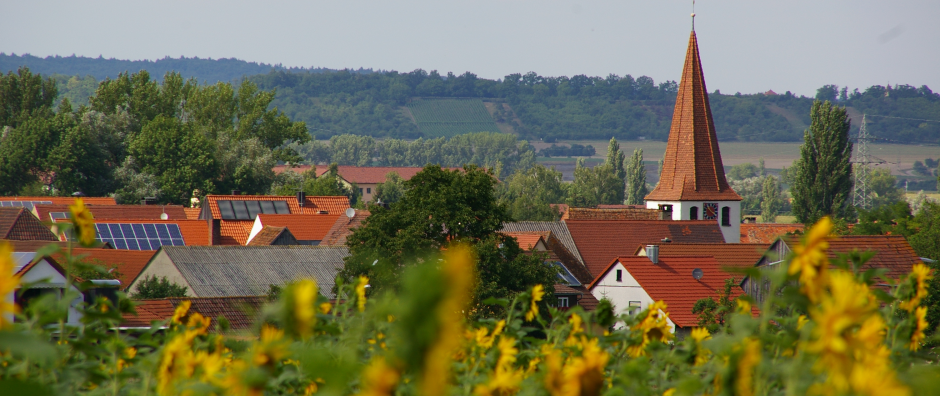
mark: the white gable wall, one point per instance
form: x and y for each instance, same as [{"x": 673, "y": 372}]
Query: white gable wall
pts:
[
  {"x": 621, "y": 293},
  {"x": 44, "y": 276},
  {"x": 255, "y": 229}
]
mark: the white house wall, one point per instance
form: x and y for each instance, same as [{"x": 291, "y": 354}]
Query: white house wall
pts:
[
  {"x": 44, "y": 275},
  {"x": 621, "y": 293},
  {"x": 255, "y": 229},
  {"x": 161, "y": 265}
]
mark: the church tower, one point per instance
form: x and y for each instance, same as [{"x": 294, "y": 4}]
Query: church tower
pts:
[{"x": 692, "y": 180}]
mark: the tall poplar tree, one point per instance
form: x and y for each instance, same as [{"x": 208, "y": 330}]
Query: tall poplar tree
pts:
[
  {"x": 636, "y": 178},
  {"x": 822, "y": 182},
  {"x": 770, "y": 200},
  {"x": 615, "y": 159}
]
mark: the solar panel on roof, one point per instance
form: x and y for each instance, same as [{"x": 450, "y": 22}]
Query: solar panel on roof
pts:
[
  {"x": 241, "y": 211},
  {"x": 140, "y": 236},
  {"x": 267, "y": 207},
  {"x": 225, "y": 209},
  {"x": 253, "y": 209},
  {"x": 59, "y": 215},
  {"x": 23, "y": 204},
  {"x": 281, "y": 207}
]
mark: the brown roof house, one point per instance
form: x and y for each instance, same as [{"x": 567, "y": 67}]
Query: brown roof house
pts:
[
  {"x": 232, "y": 271},
  {"x": 232, "y": 217},
  {"x": 570, "y": 289},
  {"x": 344, "y": 227},
  {"x": 892, "y": 253},
  {"x": 20, "y": 224},
  {"x": 45, "y": 276},
  {"x": 728, "y": 255},
  {"x": 366, "y": 178},
  {"x": 239, "y": 312},
  {"x": 692, "y": 183},
  {"x": 307, "y": 229}
]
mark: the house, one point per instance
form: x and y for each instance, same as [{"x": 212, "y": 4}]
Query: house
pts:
[
  {"x": 45, "y": 276},
  {"x": 307, "y": 229},
  {"x": 127, "y": 263},
  {"x": 343, "y": 227},
  {"x": 600, "y": 241},
  {"x": 366, "y": 178},
  {"x": 558, "y": 229},
  {"x": 228, "y": 271},
  {"x": 55, "y": 212},
  {"x": 766, "y": 232},
  {"x": 30, "y": 202},
  {"x": 633, "y": 283},
  {"x": 240, "y": 312},
  {"x": 573, "y": 276},
  {"x": 692, "y": 182},
  {"x": 273, "y": 236},
  {"x": 231, "y": 217},
  {"x": 151, "y": 234},
  {"x": 19, "y": 224},
  {"x": 892, "y": 253},
  {"x": 628, "y": 212},
  {"x": 728, "y": 255}
]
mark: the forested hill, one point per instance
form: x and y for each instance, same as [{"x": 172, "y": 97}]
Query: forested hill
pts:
[
  {"x": 381, "y": 104},
  {"x": 203, "y": 70}
]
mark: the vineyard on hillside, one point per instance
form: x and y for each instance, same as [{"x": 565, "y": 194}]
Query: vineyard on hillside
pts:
[{"x": 451, "y": 117}]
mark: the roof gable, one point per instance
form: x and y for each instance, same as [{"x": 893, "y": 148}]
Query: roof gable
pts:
[
  {"x": 129, "y": 263},
  {"x": 273, "y": 236},
  {"x": 692, "y": 167},
  {"x": 343, "y": 228},
  {"x": 599, "y": 241},
  {"x": 20, "y": 224},
  {"x": 559, "y": 230},
  {"x": 304, "y": 227}
]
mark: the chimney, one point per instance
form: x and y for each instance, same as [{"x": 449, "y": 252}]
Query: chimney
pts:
[
  {"x": 148, "y": 201},
  {"x": 236, "y": 192},
  {"x": 665, "y": 212},
  {"x": 652, "y": 251},
  {"x": 215, "y": 232},
  {"x": 301, "y": 197}
]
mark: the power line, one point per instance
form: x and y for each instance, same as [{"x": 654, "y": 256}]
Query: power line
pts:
[{"x": 900, "y": 118}]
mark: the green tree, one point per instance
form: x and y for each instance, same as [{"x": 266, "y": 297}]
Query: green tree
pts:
[
  {"x": 822, "y": 183},
  {"x": 615, "y": 160},
  {"x": 24, "y": 150},
  {"x": 884, "y": 187},
  {"x": 329, "y": 184},
  {"x": 712, "y": 314},
  {"x": 529, "y": 194},
  {"x": 441, "y": 207},
  {"x": 592, "y": 187},
  {"x": 636, "y": 179},
  {"x": 22, "y": 94},
  {"x": 771, "y": 202},
  {"x": 182, "y": 159},
  {"x": 392, "y": 190},
  {"x": 152, "y": 287},
  {"x": 743, "y": 171}
]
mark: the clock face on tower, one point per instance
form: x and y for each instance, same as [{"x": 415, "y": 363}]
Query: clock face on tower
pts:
[{"x": 711, "y": 211}]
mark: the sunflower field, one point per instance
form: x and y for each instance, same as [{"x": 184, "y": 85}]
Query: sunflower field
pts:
[{"x": 826, "y": 329}]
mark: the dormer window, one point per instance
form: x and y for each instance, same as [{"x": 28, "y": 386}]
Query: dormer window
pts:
[{"x": 693, "y": 213}]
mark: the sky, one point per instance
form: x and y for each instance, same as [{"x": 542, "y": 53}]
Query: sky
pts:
[{"x": 746, "y": 46}]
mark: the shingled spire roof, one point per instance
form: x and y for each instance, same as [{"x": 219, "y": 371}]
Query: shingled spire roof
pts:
[{"x": 692, "y": 168}]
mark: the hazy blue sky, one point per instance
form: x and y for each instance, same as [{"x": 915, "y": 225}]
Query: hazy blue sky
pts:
[{"x": 747, "y": 45}]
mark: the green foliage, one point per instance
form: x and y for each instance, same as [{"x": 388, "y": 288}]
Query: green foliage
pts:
[
  {"x": 713, "y": 315},
  {"x": 529, "y": 193},
  {"x": 822, "y": 185},
  {"x": 883, "y": 186},
  {"x": 451, "y": 117},
  {"x": 179, "y": 156},
  {"x": 594, "y": 186},
  {"x": 771, "y": 200},
  {"x": 743, "y": 171},
  {"x": 392, "y": 190},
  {"x": 615, "y": 160},
  {"x": 152, "y": 287},
  {"x": 636, "y": 179},
  {"x": 23, "y": 93}
]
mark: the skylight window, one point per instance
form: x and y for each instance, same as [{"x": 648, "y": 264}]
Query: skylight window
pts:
[
  {"x": 59, "y": 215},
  {"x": 140, "y": 236},
  {"x": 249, "y": 209}
]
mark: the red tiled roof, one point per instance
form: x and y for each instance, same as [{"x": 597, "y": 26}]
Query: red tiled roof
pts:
[
  {"x": 692, "y": 167},
  {"x": 192, "y": 213},
  {"x": 65, "y": 200},
  {"x": 239, "y": 311},
  {"x": 312, "y": 205},
  {"x": 129, "y": 263},
  {"x": 738, "y": 255},
  {"x": 234, "y": 232},
  {"x": 892, "y": 252},
  {"x": 528, "y": 240},
  {"x": 612, "y": 214},
  {"x": 671, "y": 281},
  {"x": 766, "y": 232},
  {"x": 358, "y": 174},
  {"x": 20, "y": 224},
  {"x": 32, "y": 246},
  {"x": 343, "y": 227},
  {"x": 268, "y": 235},
  {"x": 195, "y": 232},
  {"x": 304, "y": 227},
  {"x": 119, "y": 212},
  {"x": 599, "y": 241}
]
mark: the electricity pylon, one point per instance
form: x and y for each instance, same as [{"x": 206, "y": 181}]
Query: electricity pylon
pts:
[{"x": 861, "y": 197}]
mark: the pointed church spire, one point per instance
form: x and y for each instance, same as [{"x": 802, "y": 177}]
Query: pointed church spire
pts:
[{"x": 692, "y": 168}]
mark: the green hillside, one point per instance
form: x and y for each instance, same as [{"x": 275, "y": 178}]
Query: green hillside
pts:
[{"x": 451, "y": 117}]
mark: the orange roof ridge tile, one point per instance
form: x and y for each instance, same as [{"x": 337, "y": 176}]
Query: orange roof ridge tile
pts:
[{"x": 692, "y": 167}]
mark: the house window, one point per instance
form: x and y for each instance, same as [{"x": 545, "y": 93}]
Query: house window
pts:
[
  {"x": 633, "y": 307},
  {"x": 360, "y": 191},
  {"x": 619, "y": 275},
  {"x": 693, "y": 213},
  {"x": 369, "y": 190},
  {"x": 726, "y": 216},
  {"x": 563, "y": 302}
]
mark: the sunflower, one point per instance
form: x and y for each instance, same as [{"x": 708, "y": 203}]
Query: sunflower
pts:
[
  {"x": 920, "y": 274},
  {"x": 83, "y": 222},
  {"x": 361, "y": 293},
  {"x": 304, "y": 298},
  {"x": 537, "y": 292},
  {"x": 810, "y": 260},
  {"x": 9, "y": 281},
  {"x": 920, "y": 324}
]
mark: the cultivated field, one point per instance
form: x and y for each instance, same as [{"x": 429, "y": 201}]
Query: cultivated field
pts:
[{"x": 450, "y": 117}]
